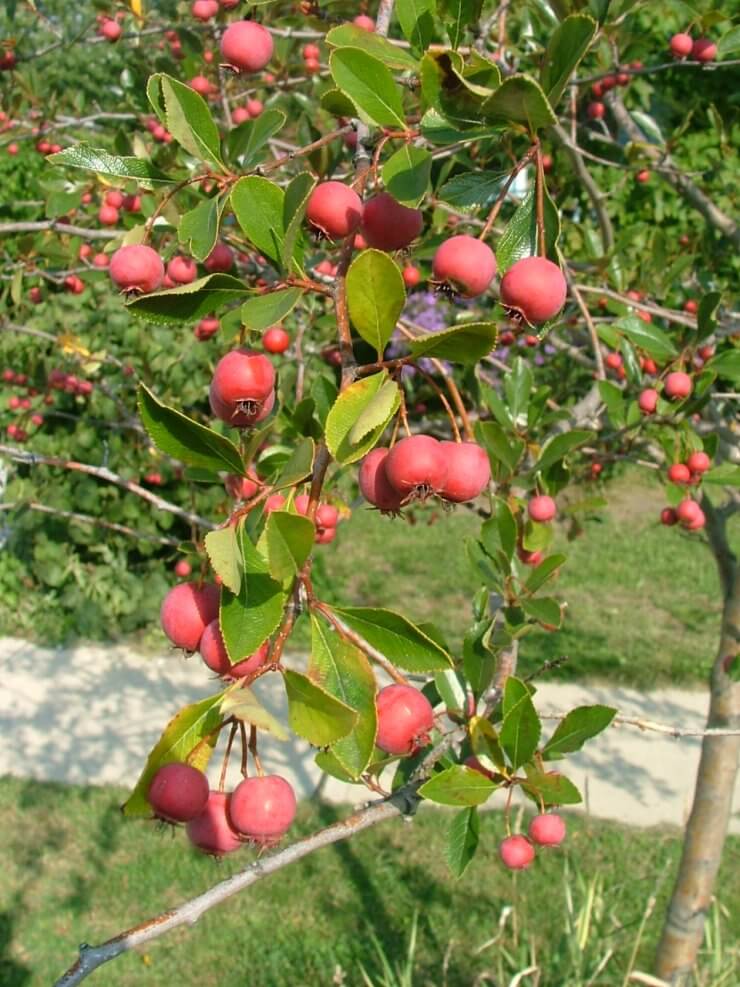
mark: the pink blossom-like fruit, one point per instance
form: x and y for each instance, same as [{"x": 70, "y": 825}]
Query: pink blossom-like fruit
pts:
[
  {"x": 547, "y": 829},
  {"x": 247, "y": 46},
  {"x": 466, "y": 263},
  {"x": 263, "y": 808},
  {"x": 387, "y": 225},
  {"x": 107, "y": 215},
  {"x": 405, "y": 719},
  {"x": 335, "y": 209},
  {"x": 516, "y": 852},
  {"x": 207, "y": 328},
  {"x": 411, "y": 275},
  {"x": 681, "y": 45},
  {"x": 178, "y": 792},
  {"x": 214, "y": 654},
  {"x": 688, "y": 511},
  {"x": 535, "y": 287},
  {"x": 136, "y": 268},
  {"x": 211, "y": 830},
  {"x": 704, "y": 50},
  {"x": 276, "y": 340},
  {"x": 677, "y": 386},
  {"x": 183, "y": 569},
  {"x": 468, "y": 471},
  {"x": 542, "y": 508},
  {"x": 364, "y": 22},
  {"x": 698, "y": 462},
  {"x": 648, "y": 400},
  {"x": 679, "y": 473},
  {"x": 375, "y": 486},
  {"x": 186, "y": 612},
  {"x": 595, "y": 111},
  {"x": 220, "y": 260},
  {"x": 182, "y": 270},
  {"x": 242, "y": 386},
  {"x": 417, "y": 466}
]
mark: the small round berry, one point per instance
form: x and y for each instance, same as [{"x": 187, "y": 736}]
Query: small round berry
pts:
[
  {"x": 698, "y": 462},
  {"x": 535, "y": 287},
  {"x": 335, "y": 209},
  {"x": 263, "y": 808},
  {"x": 547, "y": 829},
  {"x": 542, "y": 508},
  {"x": 178, "y": 792},
  {"x": 247, "y": 46},
  {"x": 211, "y": 830},
  {"x": 677, "y": 386},
  {"x": 465, "y": 262},
  {"x": 516, "y": 852},
  {"x": 136, "y": 268},
  {"x": 405, "y": 719}
]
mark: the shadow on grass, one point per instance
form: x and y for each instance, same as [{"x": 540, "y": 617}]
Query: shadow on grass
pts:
[{"x": 12, "y": 973}]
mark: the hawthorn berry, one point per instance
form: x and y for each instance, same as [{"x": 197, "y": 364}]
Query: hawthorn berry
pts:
[
  {"x": 108, "y": 215},
  {"x": 542, "y": 508},
  {"x": 241, "y": 487},
  {"x": 213, "y": 652},
  {"x": 468, "y": 471},
  {"x": 668, "y": 516},
  {"x": 535, "y": 287},
  {"x": 679, "y": 473},
  {"x": 183, "y": 569},
  {"x": 516, "y": 852},
  {"x": 677, "y": 386},
  {"x": 698, "y": 462},
  {"x": 387, "y": 225},
  {"x": 681, "y": 45},
  {"x": 207, "y": 328},
  {"x": 688, "y": 513},
  {"x": 595, "y": 111},
  {"x": 247, "y": 46},
  {"x": 411, "y": 275},
  {"x": 136, "y": 268},
  {"x": 182, "y": 270},
  {"x": 417, "y": 466},
  {"x": 263, "y": 808},
  {"x": 276, "y": 340},
  {"x": 111, "y": 30},
  {"x": 648, "y": 401},
  {"x": 178, "y": 792},
  {"x": 375, "y": 486},
  {"x": 242, "y": 388},
  {"x": 704, "y": 50},
  {"x": 186, "y": 612},
  {"x": 201, "y": 85},
  {"x": 220, "y": 260},
  {"x": 547, "y": 829},
  {"x": 335, "y": 209},
  {"x": 405, "y": 719},
  {"x": 211, "y": 830},
  {"x": 204, "y": 10},
  {"x": 364, "y": 22},
  {"x": 466, "y": 263},
  {"x": 691, "y": 306}
]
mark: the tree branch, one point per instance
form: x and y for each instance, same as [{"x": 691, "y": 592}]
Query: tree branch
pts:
[
  {"x": 593, "y": 191},
  {"x": 36, "y": 226}
]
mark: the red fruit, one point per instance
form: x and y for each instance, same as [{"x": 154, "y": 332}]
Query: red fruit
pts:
[
  {"x": 535, "y": 287},
  {"x": 311, "y": 51},
  {"x": 691, "y": 306},
  {"x": 230, "y": 4},
  {"x": 102, "y": 260},
  {"x": 242, "y": 385},
  {"x": 468, "y": 471},
  {"x": 254, "y": 107},
  {"x": 405, "y": 718},
  {"x": 325, "y": 535},
  {"x": 374, "y": 484},
  {"x": 74, "y": 284},
  {"x": 114, "y": 198},
  {"x": 275, "y": 502},
  {"x": 595, "y": 111},
  {"x": 642, "y": 176},
  {"x": 411, "y": 275},
  {"x": 204, "y": 10},
  {"x": 246, "y": 46},
  {"x": 276, "y": 340},
  {"x": 241, "y": 487},
  {"x": 623, "y": 78},
  {"x": 597, "y": 90},
  {"x": 107, "y": 215},
  {"x": 668, "y": 516},
  {"x": 650, "y": 366},
  {"x": 312, "y": 66},
  {"x": 207, "y": 328},
  {"x": 542, "y": 508},
  {"x": 335, "y": 209},
  {"x": 178, "y": 792},
  {"x": 547, "y": 163},
  {"x": 468, "y": 264},
  {"x": 186, "y": 612},
  {"x": 263, "y": 809},
  {"x": 214, "y": 654},
  {"x": 706, "y": 352},
  {"x": 704, "y": 50},
  {"x": 677, "y": 386},
  {"x": 688, "y": 512},
  {"x": 211, "y": 831},
  {"x": 648, "y": 400},
  {"x": 387, "y": 225},
  {"x": 609, "y": 82},
  {"x": 529, "y": 558},
  {"x": 364, "y": 22},
  {"x": 111, "y": 30},
  {"x": 681, "y": 45},
  {"x": 473, "y": 763},
  {"x": 635, "y": 296},
  {"x": 327, "y": 516},
  {"x": 679, "y": 473},
  {"x": 695, "y": 524},
  {"x": 136, "y": 268},
  {"x": 613, "y": 360},
  {"x": 645, "y": 316},
  {"x": 301, "y": 503},
  {"x": 220, "y": 260},
  {"x": 183, "y": 569},
  {"x": 698, "y": 462},
  {"x": 182, "y": 270},
  {"x": 547, "y": 829},
  {"x": 35, "y": 295},
  {"x": 240, "y": 115},
  {"x": 417, "y": 466},
  {"x": 201, "y": 85},
  {"x": 596, "y": 469},
  {"x": 85, "y": 251},
  {"x": 516, "y": 852}
]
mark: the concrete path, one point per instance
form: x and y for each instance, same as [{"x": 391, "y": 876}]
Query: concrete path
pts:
[{"x": 89, "y": 715}]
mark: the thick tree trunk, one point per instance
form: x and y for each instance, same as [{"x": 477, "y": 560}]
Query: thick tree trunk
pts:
[{"x": 715, "y": 783}]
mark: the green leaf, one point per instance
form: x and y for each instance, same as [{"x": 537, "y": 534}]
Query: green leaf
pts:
[
  {"x": 406, "y": 174},
  {"x": 521, "y": 727},
  {"x": 567, "y": 45},
  {"x": 613, "y": 398},
  {"x": 385, "y": 404},
  {"x": 506, "y": 526},
  {"x": 706, "y": 317},
  {"x": 298, "y": 466},
  {"x": 550, "y": 786},
  {"x": 265, "y": 310},
  {"x": 519, "y": 239},
  {"x": 576, "y": 728},
  {"x": 462, "y": 840},
  {"x": 351, "y": 36},
  {"x": 456, "y": 16},
  {"x": 465, "y": 343},
  {"x": 726, "y": 364},
  {"x": 179, "y": 739},
  {"x": 294, "y": 209},
  {"x": 447, "y": 89},
  {"x": 290, "y": 538},
  {"x": 249, "y": 617},
  {"x": 258, "y": 205},
  {"x": 343, "y": 670},
  {"x": 198, "y": 228},
  {"x": 416, "y": 18},
  {"x": 458, "y": 785},
  {"x": 345, "y": 413},
  {"x": 402, "y": 642},
  {"x": 370, "y": 86},
  {"x": 241, "y": 702},
  {"x": 544, "y": 609},
  {"x": 473, "y": 189},
  {"x": 519, "y": 100},
  {"x": 185, "y": 114},
  {"x": 248, "y": 143},
  {"x": 438, "y": 129},
  {"x": 222, "y": 547},
  {"x": 726, "y": 474},
  {"x": 375, "y": 296},
  {"x": 729, "y": 43},
  {"x": 559, "y": 446},
  {"x": 648, "y": 337},
  {"x": 313, "y": 713},
  {"x": 541, "y": 573},
  {"x": 500, "y": 448},
  {"x": 188, "y": 302},
  {"x": 99, "y": 160},
  {"x": 182, "y": 438}
]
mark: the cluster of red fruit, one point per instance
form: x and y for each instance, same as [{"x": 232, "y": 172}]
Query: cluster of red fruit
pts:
[
  {"x": 420, "y": 466},
  {"x": 109, "y": 27},
  {"x": 205, "y": 10},
  {"x": 58, "y": 380},
  {"x": 259, "y": 811},
  {"x": 250, "y": 111},
  {"x": 595, "y": 110},
  {"x": 113, "y": 201},
  {"x": 517, "y": 852},
  {"x": 688, "y": 513},
  {"x": 683, "y": 46},
  {"x": 311, "y": 59},
  {"x": 87, "y": 256},
  {"x": 46, "y": 147},
  {"x": 677, "y": 386},
  {"x": 158, "y": 132}
]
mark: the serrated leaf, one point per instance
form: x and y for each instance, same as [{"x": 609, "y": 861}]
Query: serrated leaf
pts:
[
  {"x": 543, "y": 609},
  {"x": 521, "y": 728},
  {"x": 249, "y": 142},
  {"x": 179, "y": 436},
  {"x": 298, "y": 466},
  {"x": 258, "y": 205},
  {"x": 188, "y": 302},
  {"x": 351, "y": 36},
  {"x": 265, "y": 310},
  {"x": 290, "y": 538},
  {"x": 462, "y": 840},
  {"x": 375, "y": 296},
  {"x": 385, "y": 404},
  {"x": 576, "y": 728},
  {"x": 394, "y": 636},
  {"x": 458, "y": 785},
  {"x": 550, "y": 787},
  {"x": 544, "y": 571},
  {"x": 457, "y": 16},
  {"x": 559, "y": 446},
  {"x": 473, "y": 190},
  {"x": 344, "y": 414},
  {"x": 726, "y": 474},
  {"x": 180, "y": 738},
  {"x": 185, "y": 114},
  {"x": 99, "y": 160},
  {"x": 465, "y": 343},
  {"x": 568, "y": 44},
  {"x": 416, "y": 18},
  {"x": 222, "y": 548},
  {"x": 198, "y": 228},
  {"x": 294, "y": 209},
  {"x": 241, "y": 702},
  {"x": 519, "y": 100},
  {"x": 648, "y": 337},
  {"x": 313, "y": 713},
  {"x": 406, "y": 174},
  {"x": 370, "y": 86}
]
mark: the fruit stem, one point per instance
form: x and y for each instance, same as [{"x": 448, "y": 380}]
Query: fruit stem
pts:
[
  {"x": 243, "y": 738},
  {"x": 493, "y": 215},
  {"x": 253, "y": 749},
  {"x": 445, "y": 403},
  {"x": 540, "y": 201},
  {"x": 227, "y": 755},
  {"x": 367, "y": 649}
]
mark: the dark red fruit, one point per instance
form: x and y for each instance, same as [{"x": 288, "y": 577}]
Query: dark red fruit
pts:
[
  {"x": 668, "y": 516},
  {"x": 468, "y": 471},
  {"x": 211, "y": 830},
  {"x": 704, "y": 50},
  {"x": 405, "y": 719},
  {"x": 466, "y": 263},
  {"x": 178, "y": 792},
  {"x": 374, "y": 484},
  {"x": 263, "y": 809},
  {"x": 220, "y": 260},
  {"x": 387, "y": 225},
  {"x": 186, "y": 612}
]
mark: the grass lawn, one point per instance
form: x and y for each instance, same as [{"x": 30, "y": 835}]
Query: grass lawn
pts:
[{"x": 74, "y": 871}]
